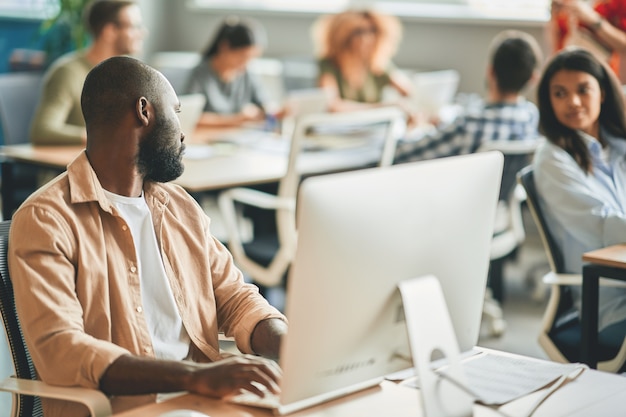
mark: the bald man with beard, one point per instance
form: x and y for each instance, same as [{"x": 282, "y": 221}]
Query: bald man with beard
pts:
[{"x": 119, "y": 284}]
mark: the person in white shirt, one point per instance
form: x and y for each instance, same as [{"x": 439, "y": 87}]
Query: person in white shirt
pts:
[{"x": 580, "y": 172}]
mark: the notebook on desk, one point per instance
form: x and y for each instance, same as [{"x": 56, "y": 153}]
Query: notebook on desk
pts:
[{"x": 359, "y": 234}]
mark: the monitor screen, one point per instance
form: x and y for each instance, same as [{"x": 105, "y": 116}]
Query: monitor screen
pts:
[{"x": 359, "y": 234}]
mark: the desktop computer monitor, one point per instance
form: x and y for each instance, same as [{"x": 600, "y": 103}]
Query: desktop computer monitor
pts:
[{"x": 359, "y": 234}]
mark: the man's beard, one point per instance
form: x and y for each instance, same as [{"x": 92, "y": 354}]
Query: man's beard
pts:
[{"x": 159, "y": 159}]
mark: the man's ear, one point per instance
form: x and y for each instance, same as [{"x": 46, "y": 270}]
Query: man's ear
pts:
[
  {"x": 108, "y": 33},
  {"x": 144, "y": 111}
]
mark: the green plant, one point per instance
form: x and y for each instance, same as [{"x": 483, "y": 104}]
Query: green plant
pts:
[{"x": 65, "y": 31}]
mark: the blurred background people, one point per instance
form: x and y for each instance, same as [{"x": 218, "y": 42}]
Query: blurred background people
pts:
[
  {"x": 116, "y": 28},
  {"x": 503, "y": 115},
  {"x": 233, "y": 95},
  {"x": 354, "y": 50},
  {"x": 604, "y": 21}
]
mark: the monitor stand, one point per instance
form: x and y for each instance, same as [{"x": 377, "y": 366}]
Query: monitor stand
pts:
[{"x": 431, "y": 336}]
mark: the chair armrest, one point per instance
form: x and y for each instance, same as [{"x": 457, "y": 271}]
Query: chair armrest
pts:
[
  {"x": 258, "y": 199},
  {"x": 97, "y": 403},
  {"x": 552, "y": 278}
]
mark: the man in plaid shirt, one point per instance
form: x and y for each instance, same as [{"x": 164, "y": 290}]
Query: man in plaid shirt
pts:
[{"x": 504, "y": 115}]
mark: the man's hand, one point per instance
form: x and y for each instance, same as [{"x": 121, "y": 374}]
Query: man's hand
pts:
[{"x": 231, "y": 375}]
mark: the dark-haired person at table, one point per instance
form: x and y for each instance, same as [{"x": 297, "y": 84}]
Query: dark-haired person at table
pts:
[
  {"x": 119, "y": 284},
  {"x": 233, "y": 95},
  {"x": 580, "y": 172},
  {"x": 117, "y": 29},
  {"x": 504, "y": 115}
]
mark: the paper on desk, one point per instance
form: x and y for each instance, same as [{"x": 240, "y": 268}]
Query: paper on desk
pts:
[
  {"x": 206, "y": 151},
  {"x": 198, "y": 151},
  {"x": 498, "y": 379}
]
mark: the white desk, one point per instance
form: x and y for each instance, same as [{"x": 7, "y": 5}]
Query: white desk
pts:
[{"x": 238, "y": 164}]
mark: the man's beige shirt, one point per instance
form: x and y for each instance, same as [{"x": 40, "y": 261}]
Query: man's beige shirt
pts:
[{"x": 74, "y": 270}]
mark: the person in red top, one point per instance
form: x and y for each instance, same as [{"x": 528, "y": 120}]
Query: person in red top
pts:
[{"x": 605, "y": 19}]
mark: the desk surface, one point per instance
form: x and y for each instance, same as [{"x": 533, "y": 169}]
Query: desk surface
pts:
[
  {"x": 238, "y": 164},
  {"x": 614, "y": 256},
  {"x": 593, "y": 393}
]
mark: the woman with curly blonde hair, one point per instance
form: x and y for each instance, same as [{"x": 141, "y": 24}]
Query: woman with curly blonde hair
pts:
[{"x": 355, "y": 49}]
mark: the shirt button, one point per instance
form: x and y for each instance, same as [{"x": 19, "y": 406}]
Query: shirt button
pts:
[
  {"x": 133, "y": 269},
  {"x": 124, "y": 228},
  {"x": 147, "y": 349},
  {"x": 139, "y": 309}
]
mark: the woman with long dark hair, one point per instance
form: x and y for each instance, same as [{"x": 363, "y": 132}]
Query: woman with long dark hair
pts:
[
  {"x": 233, "y": 95},
  {"x": 580, "y": 172}
]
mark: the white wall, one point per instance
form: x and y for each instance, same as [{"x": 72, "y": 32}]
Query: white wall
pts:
[{"x": 427, "y": 43}]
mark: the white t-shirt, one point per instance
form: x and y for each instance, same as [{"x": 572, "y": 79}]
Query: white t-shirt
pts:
[{"x": 169, "y": 337}]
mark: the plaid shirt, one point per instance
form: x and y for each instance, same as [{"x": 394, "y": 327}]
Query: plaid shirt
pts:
[{"x": 477, "y": 125}]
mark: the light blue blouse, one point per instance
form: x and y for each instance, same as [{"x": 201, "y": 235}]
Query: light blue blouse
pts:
[{"x": 586, "y": 211}]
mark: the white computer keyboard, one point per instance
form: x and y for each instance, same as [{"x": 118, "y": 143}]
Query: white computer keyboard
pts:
[{"x": 269, "y": 400}]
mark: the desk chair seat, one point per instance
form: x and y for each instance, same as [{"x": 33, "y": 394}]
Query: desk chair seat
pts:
[
  {"x": 25, "y": 387},
  {"x": 560, "y": 335}
]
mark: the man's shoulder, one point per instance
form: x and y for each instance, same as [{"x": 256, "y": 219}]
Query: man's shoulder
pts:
[
  {"x": 53, "y": 197},
  {"x": 521, "y": 110},
  {"x": 70, "y": 64}
]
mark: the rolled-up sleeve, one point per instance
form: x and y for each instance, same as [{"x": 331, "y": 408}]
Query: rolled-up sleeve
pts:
[{"x": 240, "y": 307}]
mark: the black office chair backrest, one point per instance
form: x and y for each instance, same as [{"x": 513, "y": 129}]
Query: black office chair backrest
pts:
[
  {"x": 19, "y": 95},
  {"x": 526, "y": 178},
  {"x": 24, "y": 368},
  {"x": 513, "y": 163}
]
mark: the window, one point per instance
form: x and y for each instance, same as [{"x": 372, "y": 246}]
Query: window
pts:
[
  {"x": 514, "y": 10},
  {"x": 29, "y": 9}
]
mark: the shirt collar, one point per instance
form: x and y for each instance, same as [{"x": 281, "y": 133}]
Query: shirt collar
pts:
[
  {"x": 617, "y": 145},
  {"x": 85, "y": 186}
]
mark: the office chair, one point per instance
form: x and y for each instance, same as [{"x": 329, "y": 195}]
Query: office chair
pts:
[
  {"x": 509, "y": 233},
  {"x": 266, "y": 258},
  {"x": 25, "y": 387},
  {"x": 176, "y": 67},
  {"x": 560, "y": 334},
  {"x": 19, "y": 94}
]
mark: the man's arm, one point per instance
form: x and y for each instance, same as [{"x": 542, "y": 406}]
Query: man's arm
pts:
[
  {"x": 266, "y": 337},
  {"x": 135, "y": 375}
]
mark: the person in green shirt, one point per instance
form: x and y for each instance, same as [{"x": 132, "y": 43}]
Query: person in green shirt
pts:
[{"x": 117, "y": 29}]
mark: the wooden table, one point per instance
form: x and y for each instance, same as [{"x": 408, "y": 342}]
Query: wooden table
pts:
[
  {"x": 593, "y": 393},
  {"x": 609, "y": 262}
]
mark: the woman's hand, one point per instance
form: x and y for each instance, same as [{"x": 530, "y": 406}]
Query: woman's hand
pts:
[{"x": 583, "y": 11}]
